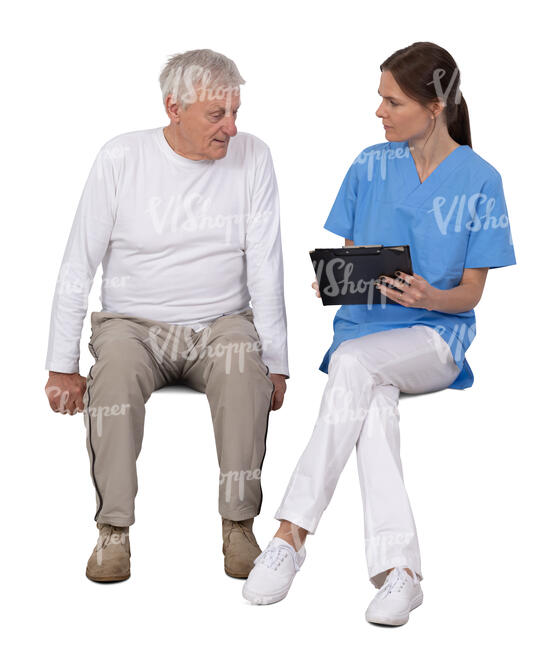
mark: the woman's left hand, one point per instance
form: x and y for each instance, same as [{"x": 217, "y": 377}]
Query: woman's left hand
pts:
[{"x": 417, "y": 292}]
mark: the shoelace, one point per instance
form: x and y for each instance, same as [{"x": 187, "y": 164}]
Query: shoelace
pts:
[
  {"x": 238, "y": 525},
  {"x": 395, "y": 581},
  {"x": 274, "y": 554},
  {"x": 107, "y": 531}
]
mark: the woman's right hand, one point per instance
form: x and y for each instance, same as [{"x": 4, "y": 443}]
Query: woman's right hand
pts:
[{"x": 315, "y": 286}]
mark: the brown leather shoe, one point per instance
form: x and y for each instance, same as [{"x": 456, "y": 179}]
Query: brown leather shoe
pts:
[
  {"x": 110, "y": 559},
  {"x": 239, "y": 547}
]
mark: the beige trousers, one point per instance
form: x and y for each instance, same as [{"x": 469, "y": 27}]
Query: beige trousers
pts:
[{"x": 136, "y": 356}]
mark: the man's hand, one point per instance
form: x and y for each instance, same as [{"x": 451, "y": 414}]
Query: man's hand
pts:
[
  {"x": 279, "y": 382},
  {"x": 315, "y": 286},
  {"x": 65, "y": 392}
]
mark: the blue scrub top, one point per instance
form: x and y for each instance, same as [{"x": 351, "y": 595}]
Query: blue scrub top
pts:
[{"x": 455, "y": 219}]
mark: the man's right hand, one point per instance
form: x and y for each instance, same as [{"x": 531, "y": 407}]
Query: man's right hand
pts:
[
  {"x": 65, "y": 392},
  {"x": 315, "y": 286}
]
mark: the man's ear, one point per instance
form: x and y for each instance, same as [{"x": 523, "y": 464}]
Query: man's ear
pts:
[{"x": 172, "y": 109}]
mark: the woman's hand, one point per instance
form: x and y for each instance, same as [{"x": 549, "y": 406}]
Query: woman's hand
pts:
[
  {"x": 417, "y": 292},
  {"x": 315, "y": 286}
]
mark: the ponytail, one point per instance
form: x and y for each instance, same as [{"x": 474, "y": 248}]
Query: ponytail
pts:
[{"x": 458, "y": 124}]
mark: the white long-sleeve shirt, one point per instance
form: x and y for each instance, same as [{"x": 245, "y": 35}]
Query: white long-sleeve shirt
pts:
[{"x": 181, "y": 241}]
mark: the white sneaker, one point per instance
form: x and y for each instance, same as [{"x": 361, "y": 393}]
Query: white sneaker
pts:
[
  {"x": 273, "y": 572},
  {"x": 395, "y": 599}
]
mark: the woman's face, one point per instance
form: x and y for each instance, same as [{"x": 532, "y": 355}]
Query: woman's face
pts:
[{"x": 402, "y": 117}]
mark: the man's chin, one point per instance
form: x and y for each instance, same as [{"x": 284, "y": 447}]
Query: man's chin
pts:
[{"x": 217, "y": 155}]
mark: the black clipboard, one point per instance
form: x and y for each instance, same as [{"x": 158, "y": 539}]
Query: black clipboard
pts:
[{"x": 346, "y": 275}]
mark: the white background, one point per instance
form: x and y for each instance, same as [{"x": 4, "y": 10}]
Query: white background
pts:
[{"x": 476, "y": 462}]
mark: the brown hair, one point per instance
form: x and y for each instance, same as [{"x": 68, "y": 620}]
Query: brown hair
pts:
[{"x": 426, "y": 73}]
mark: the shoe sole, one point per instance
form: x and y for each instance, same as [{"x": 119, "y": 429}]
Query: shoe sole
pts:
[
  {"x": 241, "y": 576},
  {"x": 109, "y": 578},
  {"x": 383, "y": 620},
  {"x": 258, "y": 599}
]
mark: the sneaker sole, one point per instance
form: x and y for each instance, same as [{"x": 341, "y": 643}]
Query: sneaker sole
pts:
[
  {"x": 258, "y": 599},
  {"x": 385, "y": 620}
]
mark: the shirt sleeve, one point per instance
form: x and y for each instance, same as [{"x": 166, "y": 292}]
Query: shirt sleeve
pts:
[
  {"x": 341, "y": 219},
  {"x": 490, "y": 243},
  {"x": 264, "y": 264},
  {"x": 85, "y": 249}
]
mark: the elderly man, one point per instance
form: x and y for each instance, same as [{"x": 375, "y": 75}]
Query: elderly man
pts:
[{"x": 185, "y": 220}]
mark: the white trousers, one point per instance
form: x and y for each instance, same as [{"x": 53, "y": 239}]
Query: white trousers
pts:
[{"x": 359, "y": 408}]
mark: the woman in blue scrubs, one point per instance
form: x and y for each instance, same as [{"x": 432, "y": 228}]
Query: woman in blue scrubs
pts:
[{"x": 425, "y": 187}]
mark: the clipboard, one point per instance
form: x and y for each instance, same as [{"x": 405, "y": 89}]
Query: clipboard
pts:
[{"x": 346, "y": 275}]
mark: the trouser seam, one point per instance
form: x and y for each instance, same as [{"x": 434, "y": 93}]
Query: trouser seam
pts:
[
  {"x": 100, "y": 498},
  {"x": 265, "y": 443}
]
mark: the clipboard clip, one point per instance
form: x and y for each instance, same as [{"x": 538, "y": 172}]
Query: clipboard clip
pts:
[{"x": 375, "y": 249}]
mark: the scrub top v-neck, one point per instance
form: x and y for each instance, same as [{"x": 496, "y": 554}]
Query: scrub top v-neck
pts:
[{"x": 455, "y": 219}]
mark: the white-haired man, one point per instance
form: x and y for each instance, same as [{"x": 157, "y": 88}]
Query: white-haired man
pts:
[{"x": 185, "y": 220}]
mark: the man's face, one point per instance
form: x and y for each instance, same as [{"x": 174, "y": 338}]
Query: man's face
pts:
[{"x": 207, "y": 125}]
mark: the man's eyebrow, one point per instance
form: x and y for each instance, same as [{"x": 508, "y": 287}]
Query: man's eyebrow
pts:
[{"x": 221, "y": 109}]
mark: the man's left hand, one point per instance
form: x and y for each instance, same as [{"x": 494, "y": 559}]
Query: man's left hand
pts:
[{"x": 279, "y": 382}]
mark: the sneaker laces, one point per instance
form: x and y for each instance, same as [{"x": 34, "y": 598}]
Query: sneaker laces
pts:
[
  {"x": 274, "y": 554},
  {"x": 395, "y": 580}
]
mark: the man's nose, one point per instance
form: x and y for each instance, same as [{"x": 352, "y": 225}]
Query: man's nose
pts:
[{"x": 229, "y": 126}]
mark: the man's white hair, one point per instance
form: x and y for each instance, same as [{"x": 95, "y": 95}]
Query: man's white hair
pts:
[{"x": 198, "y": 75}]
